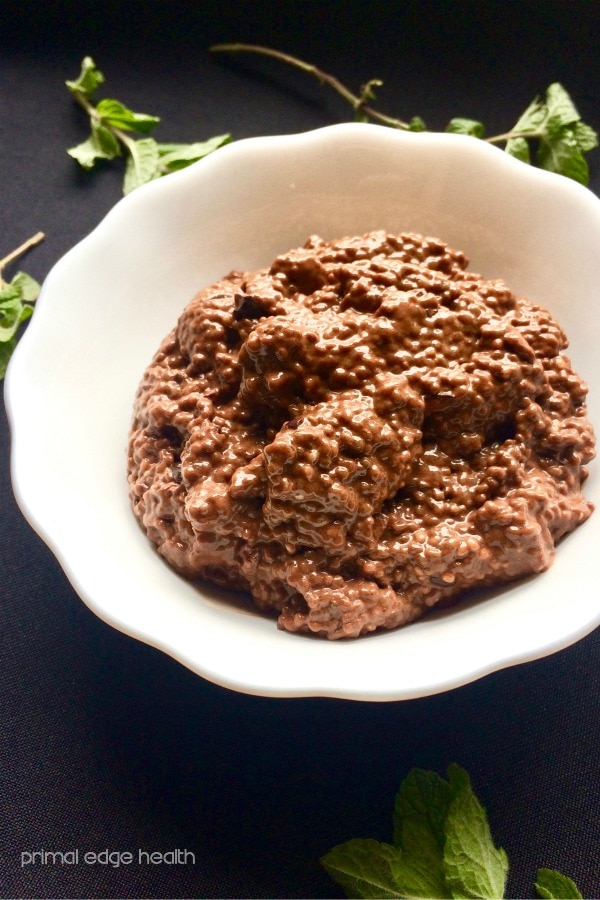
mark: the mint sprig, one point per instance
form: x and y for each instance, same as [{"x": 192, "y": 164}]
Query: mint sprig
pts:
[
  {"x": 550, "y": 133},
  {"x": 442, "y": 848},
  {"x": 118, "y": 131},
  {"x": 553, "y": 127},
  {"x": 16, "y": 299}
]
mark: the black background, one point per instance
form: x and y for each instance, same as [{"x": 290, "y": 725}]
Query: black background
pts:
[{"x": 104, "y": 742}]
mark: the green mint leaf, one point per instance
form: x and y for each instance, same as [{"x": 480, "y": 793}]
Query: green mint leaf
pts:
[
  {"x": 6, "y": 350},
  {"x": 561, "y": 109},
  {"x": 178, "y": 156},
  {"x": 143, "y": 164},
  {"x": 466, "y": 126},
  {"x": 8, "y": 294},
  {"x": 364, "y": 868},
  {"x": 519, "y": 148},
  {"x": 118, "y": 115},
  {"x": 101, "y": 144},
  {"x": 87, "y": 153},
  {"x": 27, "y": 286},
  {"x": 552, "y": 885},
  {"x": 562, "y": 155},
  {"x": 106, "y": 140},
  {"x": 474, "y": 867},
  {"x": 26, "y": 313},
  {"x": 12, "y": 313},
  {"x": 533, "y": 118},
  {"x": 420, "y": 812},
  {"x": 416, "y": 878},
  {"x": 89, "y": 79},
  {"x": 586, "y": 137},
  {"x": 417, "y": 124}
]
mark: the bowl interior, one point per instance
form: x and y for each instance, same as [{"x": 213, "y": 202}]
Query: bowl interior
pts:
[{"x": 107, "y": 304}]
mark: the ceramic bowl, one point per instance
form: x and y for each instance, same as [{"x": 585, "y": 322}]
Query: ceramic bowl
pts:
[{"x": 105, "y": 307}]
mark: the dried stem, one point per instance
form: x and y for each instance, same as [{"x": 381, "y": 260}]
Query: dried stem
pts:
[
  {"x": 25, "y": 246},
  {"x": 358, "y": 102}
]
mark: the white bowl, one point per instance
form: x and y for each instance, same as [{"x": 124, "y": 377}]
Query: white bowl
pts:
[{"x": 105, "y": 307}]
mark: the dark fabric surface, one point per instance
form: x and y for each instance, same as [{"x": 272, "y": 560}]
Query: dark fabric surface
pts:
[{"x": 108, "y": 745}]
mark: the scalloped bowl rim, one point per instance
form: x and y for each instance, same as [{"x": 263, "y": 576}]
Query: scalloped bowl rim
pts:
[{"x": 149, "y": 255}]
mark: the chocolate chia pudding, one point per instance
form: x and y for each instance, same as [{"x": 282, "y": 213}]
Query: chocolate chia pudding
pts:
[{"x": 358, "y": 433}]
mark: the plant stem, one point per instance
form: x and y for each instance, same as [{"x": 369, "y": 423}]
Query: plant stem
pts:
[
  {"x": 93, "y": 113},
  {"x": 357, "y": 102},
  {"x": 509, "y": 135},
  {"x": 25, "y": 246}
]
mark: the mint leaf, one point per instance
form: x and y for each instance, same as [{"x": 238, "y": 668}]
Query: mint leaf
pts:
[
  {"x": 465, "y": 126},
  {"x": 419, "y": 876},
  {"x": 533, "y": 118},
  {"x": 114, "y": 113},
  {"x": 9, "y": 294},
  {"x": 561, "y": 109},
  {"x": 101, "y": 144},
  {"x": 473, "y": 866},
  {"x": 27, "y": 286},
  {"x": 585, "y": 136},
  {"x": 178, "y": 156},
  {"x": 417, "y": 124},
  {"x": 142, "y": 164},
  {"x": 26, "y": 313},
  {"x": 417, "y": 879},
  {"x": 369, "y": 868},
  {"x": 6, "y": 351},
  {"x": 89, "y": 79},
  {"x": 12, "y": 311},
  {"x": 420, "y": 812},
  {"x": 414, "y": 879},
  {"x": 562, "y": 155},
  {"x": 106, "y": 140},
  {"x": 364, "y": 868},
  {"x": 87, "y": 153},
  {"x": 519, "y": 148},
  {"x": 552, "y": 885}
]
